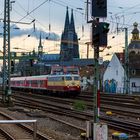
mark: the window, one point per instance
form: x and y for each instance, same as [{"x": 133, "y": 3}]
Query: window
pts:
[
  {"x": 68, "y": 78},
  {"x": 116, "y": 72},
  {"x": 133, "y": 84},
  {"x": 76, "y": 78},
  {"x": 133, "y": 72}
]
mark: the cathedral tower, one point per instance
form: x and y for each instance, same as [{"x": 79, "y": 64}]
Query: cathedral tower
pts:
[{"x": 69, "y": 42}]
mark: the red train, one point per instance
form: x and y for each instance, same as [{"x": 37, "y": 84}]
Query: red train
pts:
[{"x": 59, "y": 84}]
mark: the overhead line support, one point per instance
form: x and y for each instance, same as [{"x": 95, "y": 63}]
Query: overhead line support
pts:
[{"x": 6, "y": 97}]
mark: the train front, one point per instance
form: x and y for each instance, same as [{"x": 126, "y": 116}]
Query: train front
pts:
[{"x": 72, "y": 84}]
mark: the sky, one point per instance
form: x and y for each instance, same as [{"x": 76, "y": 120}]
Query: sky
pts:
[{"x": 48, "y": 17}]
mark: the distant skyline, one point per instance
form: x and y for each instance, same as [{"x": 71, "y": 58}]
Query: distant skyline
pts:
[{"x": 49, "y": 18}]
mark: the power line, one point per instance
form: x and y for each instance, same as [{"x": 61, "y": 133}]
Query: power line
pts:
[
  {"x": 63, "y": 5},
  {"x": 33, "y": 10}
]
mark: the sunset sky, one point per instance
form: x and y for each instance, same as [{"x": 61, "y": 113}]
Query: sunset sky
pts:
[{"x": 51, "y": 13}]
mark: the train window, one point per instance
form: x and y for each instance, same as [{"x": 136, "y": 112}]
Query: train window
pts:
[
  {"x": 50, "y": 78},
  {"x": 58, "y": 78},
  {"x": 34, "y": 82},
  {"x": 21, "y": 82},
  {"x": 41, "y": 83},
  {"x": 28, "y": 82},
  {"x": 12, "y": 82},
  {"x": 38, "y": 83},
  {"x": 76, "y": 78},
  {"x": 68, "y": 78}
]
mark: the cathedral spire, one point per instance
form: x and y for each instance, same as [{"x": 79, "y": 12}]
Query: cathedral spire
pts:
[
  {"x": 66, "y": 28},
  {"x": 72, "y": 25}
]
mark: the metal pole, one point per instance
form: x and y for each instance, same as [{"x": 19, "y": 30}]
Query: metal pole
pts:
[
  {"x": 6, "y": 54},
  {"x": 126, "y": 67},
  {"x": 87, "y": 51},
  {"x": 96, "y": 77}
]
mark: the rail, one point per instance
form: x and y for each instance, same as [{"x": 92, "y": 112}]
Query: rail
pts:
[{"x": 22, "y": 121}]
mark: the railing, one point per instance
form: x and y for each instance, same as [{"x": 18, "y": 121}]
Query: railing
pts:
[{"x": 22, "y": 121}]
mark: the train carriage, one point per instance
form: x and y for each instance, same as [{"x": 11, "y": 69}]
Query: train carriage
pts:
[{"x": 59, "y": 84}]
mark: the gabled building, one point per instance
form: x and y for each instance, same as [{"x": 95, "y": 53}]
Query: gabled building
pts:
[
  {"x": 113, "y": 78},
  {"x": 114, "y": 75}
]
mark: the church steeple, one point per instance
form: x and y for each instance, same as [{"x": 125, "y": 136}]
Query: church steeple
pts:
[
  {"x": 40, "y": 47},
  {"x": 135, "y": 32}
]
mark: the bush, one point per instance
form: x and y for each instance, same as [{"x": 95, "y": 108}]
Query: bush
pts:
[{"x": 79, "y": 105}]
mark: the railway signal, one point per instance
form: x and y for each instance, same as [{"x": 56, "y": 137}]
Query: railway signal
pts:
[
  {"x": 96, "y": 35},
  {"x": 99, "y": 34},
  {"x": 104, "y": 29},
  {"x": 99, "y": 8}
]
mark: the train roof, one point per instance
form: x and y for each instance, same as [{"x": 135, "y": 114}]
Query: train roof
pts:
[{"x": 41, "y": 76}]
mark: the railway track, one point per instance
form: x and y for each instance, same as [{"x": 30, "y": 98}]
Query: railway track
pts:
[
  {"x": 125, "y": 106},
  {"x": 65, "y": 109},
  {"x": 62, "y": 106},
  {"x": 121, "y": 107},
  {"x": 16, "y": 131}
]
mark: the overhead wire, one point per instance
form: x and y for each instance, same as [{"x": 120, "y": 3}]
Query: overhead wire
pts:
[{"x": 29, "y": 14}]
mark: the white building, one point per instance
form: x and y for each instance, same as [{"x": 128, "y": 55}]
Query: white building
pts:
[{"x": 113, "y": 78}]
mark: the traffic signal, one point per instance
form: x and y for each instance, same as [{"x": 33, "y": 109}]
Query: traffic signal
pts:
[
  {"x": 104, "y": 29},
  {"x": 95, "y": 35},
  {"x": 99, "y": 34},
  {"x": 99, "y": 8}
]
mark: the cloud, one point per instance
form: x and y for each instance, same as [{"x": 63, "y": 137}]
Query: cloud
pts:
[{"x": 33, "y": 32}]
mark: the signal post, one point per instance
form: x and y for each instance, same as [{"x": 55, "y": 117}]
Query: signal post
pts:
[{"x": 99, "y": 39}]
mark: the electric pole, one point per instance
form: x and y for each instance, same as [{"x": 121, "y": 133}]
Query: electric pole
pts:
[
  {"x": 99, "y": 39},
  {"x": 6, "y": 98},
  {"x": 126, "y": 65}
]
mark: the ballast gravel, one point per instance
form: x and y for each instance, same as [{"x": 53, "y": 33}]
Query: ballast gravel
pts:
[{"x": 46, "y": 125}]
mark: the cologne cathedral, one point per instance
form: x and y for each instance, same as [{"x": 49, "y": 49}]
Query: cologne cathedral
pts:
[{"x": 69, "y": 48}]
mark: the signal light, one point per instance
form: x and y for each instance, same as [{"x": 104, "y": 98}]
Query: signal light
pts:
[
  {"x": 99, "y": 8},
  {"x": 104, "y": 29},
  {"x": 99, "y": 34},
  {"x": 96, "y": 35}
]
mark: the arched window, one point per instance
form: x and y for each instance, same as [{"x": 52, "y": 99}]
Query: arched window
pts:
[{"x": 133, "y": 72}]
